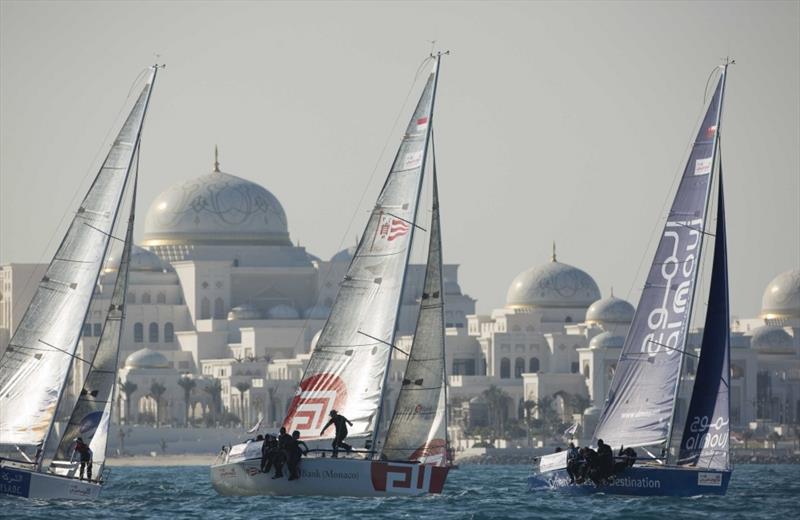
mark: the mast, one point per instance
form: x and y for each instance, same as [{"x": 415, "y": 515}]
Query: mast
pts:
[
  {"x": 150, "y": 84},
  {"x": 715, "y": 152},
  {"x": 377, "y": 427}
]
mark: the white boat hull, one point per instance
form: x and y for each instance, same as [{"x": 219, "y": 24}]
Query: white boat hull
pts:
[
  {"x": 331, "y": 477},
  {"x": 44, "y": 486}
]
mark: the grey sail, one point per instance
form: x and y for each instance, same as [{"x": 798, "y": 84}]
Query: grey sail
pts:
[
  {"x": 93, "y": 404},
  {"x": 35, "y": 367},
  {"x": 640, "y": 404},
  {"x": 418, "y": 430},
  {"x": 347, "y": 369}
]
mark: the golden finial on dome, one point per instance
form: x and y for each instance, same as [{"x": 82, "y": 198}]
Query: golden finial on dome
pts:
[
  {"x": 554, "y": 251},
  {"x": 216, "y": 159}
]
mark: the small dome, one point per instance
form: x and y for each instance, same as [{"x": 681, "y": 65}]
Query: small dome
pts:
[
  {"x": 245, "y": 311},
  {"x": 317, "y": 312},
  {"x": 345, "y": 255},
  {"x": 592, "y": 411},
  {"x": 143, "y": 260},
  {"x": 315, "y": 340},
  {"x": 283, "y": 312},
  {"x": 146, "y": 358},
  {"x": 610, "y": 310},
  {"x": 607, "y": 340},
  {"x": 552, "y": 285},
  {"x": 217, "y": 208},
  {"x": 772, "y": 339},
  {"x": 782, "y": 296}
]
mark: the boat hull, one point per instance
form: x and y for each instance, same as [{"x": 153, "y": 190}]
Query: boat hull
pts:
[
  {"x": 331, "y": 477},
  {"x": 43, "y": 486},
  {"x": 642, "y": 481}
]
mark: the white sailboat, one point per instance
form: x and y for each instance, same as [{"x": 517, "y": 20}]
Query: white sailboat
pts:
[
  {"x": 349, "y": 366},
  {"x": 640, "y": 409},
  {"x": 35, "y": 455}
]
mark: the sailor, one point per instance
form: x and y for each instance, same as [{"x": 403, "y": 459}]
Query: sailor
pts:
[
  {"x": 280, "y": 455},
  {"x": 626, "y": 458},
  {"x": 605, "y": 460},
  {"x": 82, "y": 449},
  {"x": 339, "y": 422},
  {"x": 573, "y": 462},
  {"x": 296, "y": 450},
  {"x": 589, "y": 468},
  {"x": 268, "y": 449}
]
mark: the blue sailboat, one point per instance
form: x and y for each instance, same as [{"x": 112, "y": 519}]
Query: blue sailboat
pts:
[{"x": 640, "y": 409}]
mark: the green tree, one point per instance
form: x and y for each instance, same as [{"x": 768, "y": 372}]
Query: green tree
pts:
[
  {"x": 497, "y": 402},
  {"x": 188, "y": 384},
  {"x": 242, "y": 387},
  {"x": 157, "y": 391},
  {"x": 128, "y": 388},
  {"x": 214, "y": 389}
]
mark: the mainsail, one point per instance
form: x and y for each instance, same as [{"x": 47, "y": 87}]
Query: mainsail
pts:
[
  {"x": 35, "y": 367},
  {"x": 418, "y": 430},
  {"x": 94, "y": 402},
  {"x": 347, "y": 369},
  {"x": 707, "y": 431},
  {"x": 640, "y": 404}
]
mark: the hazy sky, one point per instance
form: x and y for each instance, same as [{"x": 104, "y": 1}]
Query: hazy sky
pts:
[{"x": 555, "y": 121}]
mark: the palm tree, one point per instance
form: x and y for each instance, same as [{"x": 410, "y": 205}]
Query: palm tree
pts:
[
  {"x": 128, "y": 388},
  {"x": 157, "y": 390},
  {"x": 188, "y": 384},
  {"x": 242, "y": 387},
  {"x": 214, "y": 389},
  {"x": 497, "y": 401},
  {"x": 746, "y": 436}
]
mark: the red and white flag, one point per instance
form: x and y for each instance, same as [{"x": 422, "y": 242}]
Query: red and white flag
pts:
[
  {"x": 422, "y": 124},
  {"x": 392, "y": 228},
  {"x": 711, "y": 131}
]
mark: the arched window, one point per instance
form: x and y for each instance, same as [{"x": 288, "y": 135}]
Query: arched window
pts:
[
  {"x": 152, "y": 333},
  {"x": 575, "y": 367},
  {"x": 169, "y": 332},
  {"x": 586, "y": 372},
  {"x": 568, "y": 319},
  {"x": 138, "y": 333},
  {"x": 146, "y": 298},
  {"x": 87, "y": 329},
  {"x": 161, "y": 298},
  {"x": 519, "y": 367},
  {"x": 533, "y": 365},
  {"x": 98, "y": 329},
  {"x": 505, "y": 368},
  {"x": 205, "y": 309},
  {"x": 219, "y": 309},
  {"x": 131, "y": 297}
]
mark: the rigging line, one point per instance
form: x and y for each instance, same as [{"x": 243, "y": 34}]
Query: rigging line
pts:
[
  {"x": 406, "y": 221},
  {"x": 384, "y": 342},
  {"x": 109, "y": 235},
  {"x": 400, "y": 112},
  {"x": 673, "y": 348},
  {"x": 65, "y": 352},
  {"x": 89, "y": 169}
]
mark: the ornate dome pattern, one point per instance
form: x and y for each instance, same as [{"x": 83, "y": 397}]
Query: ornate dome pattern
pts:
[
  {"x": 146, "y": 358},
  {"x": 610, "y": 310},
  {"x": 217, "y": 208},
  {"x": 772, "y": 339},
  {"x": 607, "y": 340},
  {"x": 552, "y": 285},
  {"x": 782, "y": 296}
]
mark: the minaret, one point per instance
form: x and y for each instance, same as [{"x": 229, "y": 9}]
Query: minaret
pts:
[
  {"x": 554, "y": 251},
  {"x": 216, "y": 159}
]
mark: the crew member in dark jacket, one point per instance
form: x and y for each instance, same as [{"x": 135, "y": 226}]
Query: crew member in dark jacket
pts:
[
  {"x": 82, "y": 449},
  {"x": 339, "y": 422}
]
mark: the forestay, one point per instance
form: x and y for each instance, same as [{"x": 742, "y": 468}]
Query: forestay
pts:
[
  {"x": 89, "y": 418},
  {"x": 639, "y": 407},
  {"x": 347, "y": 368},
  {"x": 706, "y": 436},
  {"x": 35, "y": 366},
  {"x": 418, "y": 428}
]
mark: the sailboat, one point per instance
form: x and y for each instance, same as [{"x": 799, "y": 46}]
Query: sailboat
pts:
[
  {"x": 348, "y": 368},
  {"x": 640, "y": 410},
  {"x": 36, "y": 446}
]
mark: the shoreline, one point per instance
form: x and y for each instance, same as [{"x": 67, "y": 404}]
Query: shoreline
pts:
[{"x": 161, "y": 460}]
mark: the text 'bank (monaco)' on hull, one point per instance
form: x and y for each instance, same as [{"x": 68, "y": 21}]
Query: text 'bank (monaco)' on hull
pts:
[
  {"x": 641, "y": 407},
  {"x": 349, "y": 366},
  {"x": 39, "y": 420}
]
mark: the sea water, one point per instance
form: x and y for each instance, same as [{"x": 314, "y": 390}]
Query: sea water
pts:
[{"x": 473, "y": 492}]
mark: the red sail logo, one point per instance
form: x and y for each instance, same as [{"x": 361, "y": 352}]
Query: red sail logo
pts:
[
  {"x": 313, "y": 401},
  {"x": 408, "y": 478},
  {"x": 433, "y": 452}
]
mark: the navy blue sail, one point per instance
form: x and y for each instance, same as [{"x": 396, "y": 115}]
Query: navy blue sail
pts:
[
  {"x": 707, "y": 431},
  {"x": 640, "y": 404}
]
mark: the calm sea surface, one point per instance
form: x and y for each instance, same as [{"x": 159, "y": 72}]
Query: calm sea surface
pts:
[{"x": 478, "y": 492}]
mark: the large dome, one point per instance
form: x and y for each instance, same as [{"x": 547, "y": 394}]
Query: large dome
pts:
[
  {"x": 610, "y": 310},
  {"x": 552, "y": 285},
  {"x": 782, "y": 296},
  {"x": 771, "y": 339},
  {"x": 146, "y": 358},
  {"x": 216, "y": 209}
]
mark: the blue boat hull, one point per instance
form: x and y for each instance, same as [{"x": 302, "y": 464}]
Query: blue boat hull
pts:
[{"x": 642, "y": 481}]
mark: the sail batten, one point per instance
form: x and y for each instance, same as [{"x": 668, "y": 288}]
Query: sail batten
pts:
[
  {"x": 640, "y": 406},
  {"x": 32, "y": 384},
  {"x": 347, "y": 370}
]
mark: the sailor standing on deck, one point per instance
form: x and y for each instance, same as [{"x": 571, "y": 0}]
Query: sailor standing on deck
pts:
[
  {"x": 82, "y": 449},
  {"x": 339, "y": 422}
]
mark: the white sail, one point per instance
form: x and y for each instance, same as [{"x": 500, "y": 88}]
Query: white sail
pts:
[
  {"x": 418, "y": 430},
  {"x": 94, "y": 402},
  {"x": 347, "y": 369},
  {"x": 35, "y": 366}
]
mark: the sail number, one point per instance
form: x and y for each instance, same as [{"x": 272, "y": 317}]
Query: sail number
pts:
[{"x": 707, "y": 433}]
